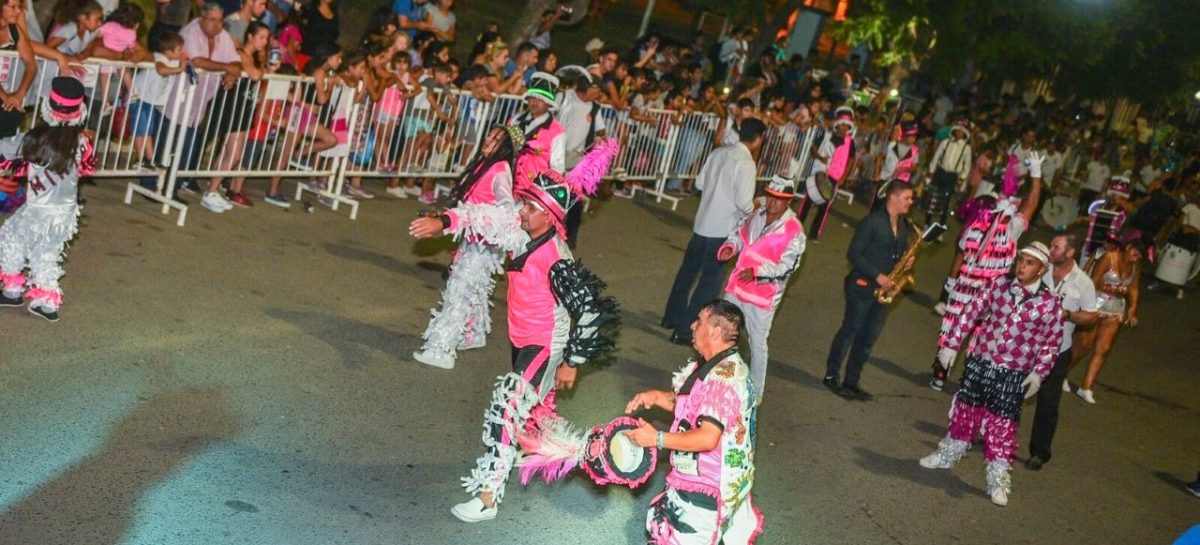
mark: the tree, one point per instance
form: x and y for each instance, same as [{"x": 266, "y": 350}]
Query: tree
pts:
[{"x": 1091, "y": 50}]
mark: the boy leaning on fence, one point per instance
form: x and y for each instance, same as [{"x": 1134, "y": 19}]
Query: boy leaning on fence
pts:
[{"x": 151, "y": 89}]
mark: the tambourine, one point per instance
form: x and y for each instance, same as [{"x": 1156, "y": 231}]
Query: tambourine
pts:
[{"x": 554, "y": 447}]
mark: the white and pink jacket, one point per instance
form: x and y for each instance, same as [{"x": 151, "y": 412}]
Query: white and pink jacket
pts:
[{"x": 772, "y": 252}]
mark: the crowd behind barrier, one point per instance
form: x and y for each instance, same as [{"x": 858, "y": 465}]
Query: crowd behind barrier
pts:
[{"x": 197, "y": 128}]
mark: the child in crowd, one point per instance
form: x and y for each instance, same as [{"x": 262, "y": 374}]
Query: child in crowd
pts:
[
  {"x": 430, "y": 110},
  {"x": 117, "y": 40},
  {"x": 272, "y": 122},
  {"x": 54, "y": 155},
  {"x": 291, "y": 40},
  {"x": 150, "y": 91},
  {"x": 309, "y": 122}
]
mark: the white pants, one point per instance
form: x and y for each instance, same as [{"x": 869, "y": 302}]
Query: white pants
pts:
[
  {"x": 464, "y": 318},
  {"x": 36, "y": 237},
  {"x": 758, "y": 328}
]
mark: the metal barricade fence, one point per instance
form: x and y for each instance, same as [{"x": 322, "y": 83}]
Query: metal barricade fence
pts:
[{"x": 162, "y": 130}]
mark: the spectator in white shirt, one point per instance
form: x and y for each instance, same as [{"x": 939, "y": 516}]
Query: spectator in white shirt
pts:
[
  {"x": 727, "y": 183},
  {"x": 1098, "y": 174}
]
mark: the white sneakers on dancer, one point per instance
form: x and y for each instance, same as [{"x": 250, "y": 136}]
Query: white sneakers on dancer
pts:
[
  {"x": 1086, "y": 395},
  {"x": 935, "y": 461},
  {"x": 1066, "y": 386},
  {"x": 434, "y": 359},
  {"x": 473, "y": 510}
]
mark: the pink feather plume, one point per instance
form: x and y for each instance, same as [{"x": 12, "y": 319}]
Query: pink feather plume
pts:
[
  {"x": 553, "y": 447},
  {"x": 586, "y": 176},
  {"x": 1011, "y": 182}
]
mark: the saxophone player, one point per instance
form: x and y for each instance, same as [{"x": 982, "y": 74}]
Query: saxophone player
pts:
[{"x": 879, "y": 241}]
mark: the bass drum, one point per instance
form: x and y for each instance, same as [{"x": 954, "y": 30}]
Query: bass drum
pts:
[
  {"x": 819, "y": 189},
  {"x": 1176, "y": 266},
  {"x": 1060, "y": 211}
]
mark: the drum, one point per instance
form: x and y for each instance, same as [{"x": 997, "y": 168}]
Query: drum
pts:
[
  {"x": 1176, "y": 265},
  {"x": 1060, "y": 211},
  {"x": 819, "y": 189}
]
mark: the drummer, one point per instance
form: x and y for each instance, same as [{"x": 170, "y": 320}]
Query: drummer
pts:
[{"x": 833, "y": 161}]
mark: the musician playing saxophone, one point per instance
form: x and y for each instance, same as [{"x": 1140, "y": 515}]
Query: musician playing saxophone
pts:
[{"x": 879, "y": 241}]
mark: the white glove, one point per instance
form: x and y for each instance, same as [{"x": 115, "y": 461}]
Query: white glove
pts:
[
  {"x": 1034, "y": 163},
  {"x": 1031, "y": 384},
  {"x": 946, "y": 357}
]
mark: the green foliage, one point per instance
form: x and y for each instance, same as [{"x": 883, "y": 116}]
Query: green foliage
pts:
[{"x": 1099, "y": 48}]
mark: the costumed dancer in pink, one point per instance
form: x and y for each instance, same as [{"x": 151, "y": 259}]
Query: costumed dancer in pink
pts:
[
  {"x": 53, "y": 156},
  {"x": 545, "y": 143},
  {"x": 833, "y": 162},
  {"x": 900, "y": 157},
  {"x": 1017, "y": 323},
  {"x": 707, "y": 499},
  {"x": 557, "y": 319},
  {"x": 769, "y": 244},
  {"x": 464, "y": 322},
  {"x": 988, "y": 246}
]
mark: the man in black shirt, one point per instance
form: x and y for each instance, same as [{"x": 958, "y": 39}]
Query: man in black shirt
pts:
[{"x": 879, "y": 241}]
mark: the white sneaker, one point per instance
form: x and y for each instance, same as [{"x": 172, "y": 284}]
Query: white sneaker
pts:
[
  {"x": 1086, "y": 395},
  {"x": 935, "y": 461},
  {"x": 940, "y": 308},
  {"x": 397, "y": 192},
  {"x": 473, "y": 511},
  {"x": 215, "y": 202},
  {"x": 1066, "y": 386},
  {"x": 999, "y": 497},
  {"x": 414, "y": 191},
  {"x": 434, "y": 359}
]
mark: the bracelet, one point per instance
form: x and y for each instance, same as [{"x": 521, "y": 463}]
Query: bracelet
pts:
[{"x": 658, "y": 440}]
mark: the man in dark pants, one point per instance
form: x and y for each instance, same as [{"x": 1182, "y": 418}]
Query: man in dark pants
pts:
[
  {"x": 727, "y": 180},
  {"x": 1077, "y": 293},
  {"x": 879, "y": 241}
]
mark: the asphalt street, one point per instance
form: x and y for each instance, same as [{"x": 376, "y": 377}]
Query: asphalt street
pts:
[{"x": 246, "y": 379}]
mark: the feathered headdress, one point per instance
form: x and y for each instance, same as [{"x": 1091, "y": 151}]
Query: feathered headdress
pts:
[{"x": 556, "y": 194}]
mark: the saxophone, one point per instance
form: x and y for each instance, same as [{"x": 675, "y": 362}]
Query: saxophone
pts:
[{"x": 901, "y": 274}]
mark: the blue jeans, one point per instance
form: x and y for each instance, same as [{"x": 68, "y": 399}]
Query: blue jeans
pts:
[
  {"x": 700, "y": 258},
  {"x": 861, "y": 326}
]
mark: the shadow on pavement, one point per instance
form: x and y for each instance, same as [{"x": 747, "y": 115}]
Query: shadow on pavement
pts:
[
  {"x": 776, "y": 368},
  {"x": 918, "y": 378},
  {"x": 908, "y": 469},
  {"x": 352, "y": 338},
  {"x": 385, "y": 262},
  {"x": 1171, "y": 480},
  {"x": 663, "y": 213},
  {"x": 95, "y": 501},
  {"x": 929, "y": 428}
]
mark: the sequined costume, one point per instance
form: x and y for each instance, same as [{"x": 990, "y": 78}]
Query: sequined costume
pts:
[
  {"x": 1019, "y": 332},
  {"x": 989, "y": 246},
  {"x": 36, "y": 235}
]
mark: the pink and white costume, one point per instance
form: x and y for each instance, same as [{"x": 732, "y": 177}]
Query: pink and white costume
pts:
[
  {"x": 989, "y": 246},
  {"x": 545, "y": 146},
  {"x": 37, "y": 234},
  {"x": 1019, "y": 330},
  {"x": 707, "y": 499},
  {"x": 773, "y": 253},
  {"x": 464, "y": 321}
]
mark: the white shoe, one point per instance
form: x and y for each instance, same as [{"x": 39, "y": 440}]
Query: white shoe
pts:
[
  {"x": 434, "y": 359},
  {"x": 397, "y": 192},
  {"x": 999, "y": 497},
  {"x": 1086, "y": 395},
  {"x": 414, "y": 191},
  {"x": 935, "y": 461},
  {"x": 473, "y": 511},
  {"x": 940, "y": 308},
  {"x": 215, "y": 202},
  {"x": 1066, "y": 386}
]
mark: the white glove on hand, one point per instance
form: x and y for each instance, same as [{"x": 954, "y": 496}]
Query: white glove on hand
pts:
[
  {"x": 1034, "y": 163},
  {"x": 1031, "y": 384},
  {"x": 946, "y": 356}
]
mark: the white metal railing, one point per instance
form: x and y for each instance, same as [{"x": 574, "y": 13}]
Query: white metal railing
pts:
[{"x": 276, "y": 128}]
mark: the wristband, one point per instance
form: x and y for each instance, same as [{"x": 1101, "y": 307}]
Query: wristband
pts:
[
  {"x": 658, "y": 440},
  {"x": 445, "y": 221}
]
